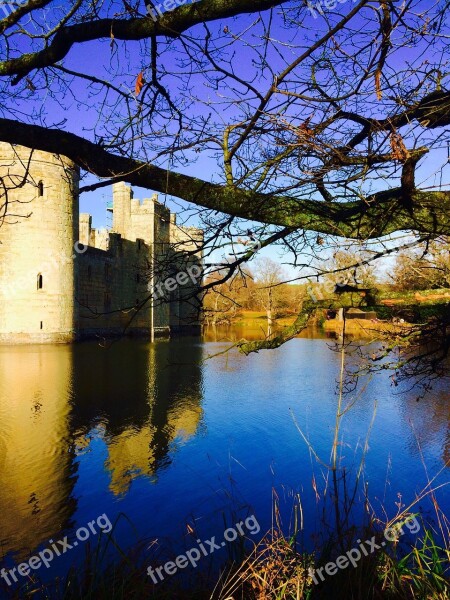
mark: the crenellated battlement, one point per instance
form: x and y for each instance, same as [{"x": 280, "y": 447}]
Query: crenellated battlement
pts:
[{"x": 62, "y": 279}]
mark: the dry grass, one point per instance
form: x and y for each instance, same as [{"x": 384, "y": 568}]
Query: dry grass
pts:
[{"x": 364, "y": 327}]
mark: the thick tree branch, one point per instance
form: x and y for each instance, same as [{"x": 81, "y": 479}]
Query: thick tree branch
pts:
[
  {"x": 21, "y": 11},
  {"x": 286, "y": 334},
  {"x": 373, "y": 217},
  {"x": 171, "y": 24}
]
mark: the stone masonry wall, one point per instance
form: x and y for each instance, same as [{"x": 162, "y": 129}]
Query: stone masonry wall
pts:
[
  {"x": 114, "y": 280},
  {"x": 62, "y": 280},
  {"x": 38, "y": 229},
  {"x": 110, "y": 290}
]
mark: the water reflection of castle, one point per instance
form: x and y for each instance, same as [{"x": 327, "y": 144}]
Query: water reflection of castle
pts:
[{"x": 141, "y": 395}]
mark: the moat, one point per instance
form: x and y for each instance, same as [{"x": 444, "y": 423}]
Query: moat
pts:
[{"x": 166, "y": 436}]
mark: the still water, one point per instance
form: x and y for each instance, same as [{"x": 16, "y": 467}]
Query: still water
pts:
[{"x": 174, "y": 437}]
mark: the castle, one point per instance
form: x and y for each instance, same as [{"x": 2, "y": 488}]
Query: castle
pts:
[{"x": 61, "y": 280}]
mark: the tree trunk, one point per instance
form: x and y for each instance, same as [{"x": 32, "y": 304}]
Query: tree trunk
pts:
[{"x": 269, "y": 309}]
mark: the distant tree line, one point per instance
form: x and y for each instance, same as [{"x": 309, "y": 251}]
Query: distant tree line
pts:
[
  {"x": 263, "y": 288},
  {"x": 424, "y": 267}
]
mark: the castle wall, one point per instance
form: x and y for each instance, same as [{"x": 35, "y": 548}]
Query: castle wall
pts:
[
  {"x": 114, "y": 276},
  {"x": 148, "y": 221},
  {"x": 111, "y": 290},
  {"x": 161, "y": 255},
  {"x": 61, "y": 279},
  {"x": 38, "y": 229},
  {"x": 187, "y": 256}
]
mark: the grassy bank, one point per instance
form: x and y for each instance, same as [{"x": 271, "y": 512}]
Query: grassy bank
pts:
[
  {"x": 364, "y": 327},
  {"x": 411, "y": 306},
  {"x": 255, "y": 319},
  {"x": 276, "y": 569}
]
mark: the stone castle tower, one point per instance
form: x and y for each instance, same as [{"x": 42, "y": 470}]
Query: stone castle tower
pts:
[
  {"x": 61, "y": 280},
  {"x": 38, "y": 230}
]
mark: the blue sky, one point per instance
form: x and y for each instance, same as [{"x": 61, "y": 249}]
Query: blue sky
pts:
[{"x": 97, "y": 57}]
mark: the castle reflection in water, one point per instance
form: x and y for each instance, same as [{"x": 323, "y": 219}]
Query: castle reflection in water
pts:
[
  {"x": 87, "y": 430},
  {"x": 140, "y": 399}
]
